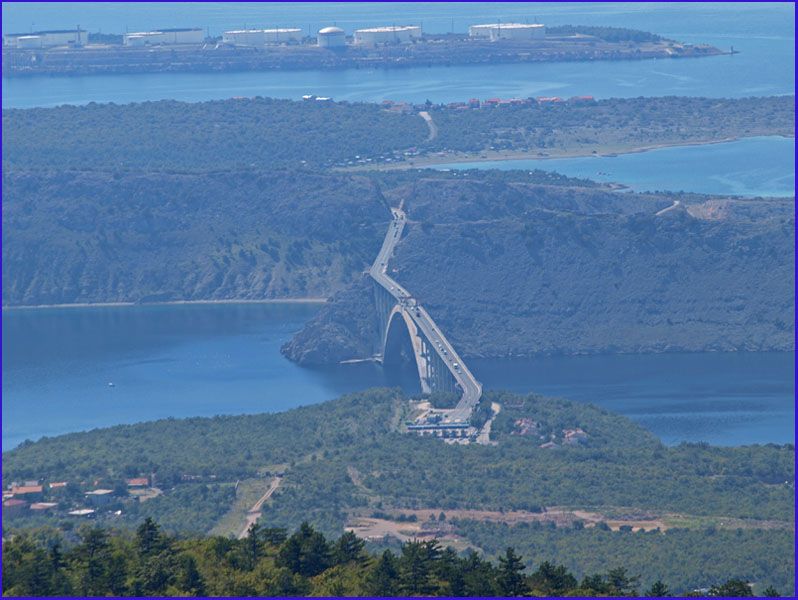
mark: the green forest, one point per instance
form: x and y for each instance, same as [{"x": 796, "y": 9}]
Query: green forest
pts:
[
  {"x": 613, "y": 123},
  {"x": 96, "y": 561},
  {"x": 346, "y": 460},
  {"x": 257, "y": 133}
]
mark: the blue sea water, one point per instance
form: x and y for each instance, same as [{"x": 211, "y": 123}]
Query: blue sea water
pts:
[
  {"x": 759, "y": 166},
  {"x": 203, "y": 360},
  {"x": 163, "y": 361},
  {"x": 763, "y": 33},
  {"x": 186, "y": 360}
]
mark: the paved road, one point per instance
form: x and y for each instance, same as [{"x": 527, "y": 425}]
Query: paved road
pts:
[{"x": 472, "y": 389}]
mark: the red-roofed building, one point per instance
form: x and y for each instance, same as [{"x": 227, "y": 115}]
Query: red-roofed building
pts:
[
  {"x": 57, "y": 486},
  {"x": 14, "y": 507},
  {"x": 30, "y": 492},
  {"x": 137, "y": 482}
]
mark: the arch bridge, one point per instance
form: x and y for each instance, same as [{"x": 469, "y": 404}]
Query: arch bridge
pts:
[{"x": 439, "y": 366}]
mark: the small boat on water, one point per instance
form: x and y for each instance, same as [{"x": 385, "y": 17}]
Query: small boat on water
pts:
[{"x": 111, "y": 384}]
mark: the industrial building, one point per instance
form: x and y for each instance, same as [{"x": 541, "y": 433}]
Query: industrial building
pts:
[
  {"x": 165, "y": 37},
  {"x": 331, "y": 37},
  {"x": 262, "y": 37},
  {"x": 399, "y": 34},
  {"x": 508, "y": 31},
  {"x": 47, "y": 39}
]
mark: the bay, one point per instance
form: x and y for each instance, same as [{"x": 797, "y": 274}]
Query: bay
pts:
[
  {"x": 757, "y": 166},
  {"x": 203, "y": 360}
]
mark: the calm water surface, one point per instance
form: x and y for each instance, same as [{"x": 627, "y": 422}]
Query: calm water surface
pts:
[
  {"x": 764, "y": 33},
  {"x": 189, "y": 360},
  {"x": 761, "y": 166}
]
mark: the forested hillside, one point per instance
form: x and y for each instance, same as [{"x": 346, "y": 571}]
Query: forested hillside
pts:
[
  {"x": 266, "y": 133},
  {"x": 345, "y": 465},
  {"x": 612, "y": 124},
  {"x": 84, "y": 236},
  {"x": 223, "y": 134},
  {"x": 514, "y": 269}
]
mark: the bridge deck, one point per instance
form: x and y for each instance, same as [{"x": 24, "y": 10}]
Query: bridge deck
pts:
[{"x": 472, "y": 389}]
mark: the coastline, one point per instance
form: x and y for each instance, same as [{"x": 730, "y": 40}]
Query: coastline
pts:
[
  {"x": 170, "y": 303},
  {"x": 606, "y": 152}
]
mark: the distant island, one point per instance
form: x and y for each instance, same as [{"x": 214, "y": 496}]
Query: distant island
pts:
[
  {"x": 555, "y": 479},
  {"x": 77, "y": 52}
]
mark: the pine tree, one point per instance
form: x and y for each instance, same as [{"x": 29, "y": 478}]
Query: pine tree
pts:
[
  {"x": 149, "y": 540},
  {"x": 382, "y": 579},
  {"x": 190, "y": 581},
  {"x": 306, "y": 552},
  {"x": 735, "y": 588},
  {"x": 620, "y": 583},
  {"x": 657, "y": 590},
  {"x": 551, "y": 579},
  {"x": 348, "y": 548},
  {"x": 510, "y": 579},
  {"x": 415, "y": 567}
]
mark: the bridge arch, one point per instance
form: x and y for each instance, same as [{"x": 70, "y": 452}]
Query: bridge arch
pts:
[{"x": 400, "y": 329}]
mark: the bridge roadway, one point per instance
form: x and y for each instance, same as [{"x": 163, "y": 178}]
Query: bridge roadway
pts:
[{"x": 472, "y": 389}]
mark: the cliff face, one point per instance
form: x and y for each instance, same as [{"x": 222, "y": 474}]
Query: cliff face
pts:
[
  {"x": 517, "y": 270},
  {"x": 344, "y": 328},
  {"x": 74, "y": 236}
]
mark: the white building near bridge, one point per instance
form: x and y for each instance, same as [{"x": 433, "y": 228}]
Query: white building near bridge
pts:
[
  {"x": 262, "y": 37},
  {"x": 392, "y": 34},
  {"x": 508, "y": 31},
  {"x": 165, "y": 37}
]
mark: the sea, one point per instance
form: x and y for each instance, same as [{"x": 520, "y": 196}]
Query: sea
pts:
[
  {"x": 756, "y": 166},
  {"x": 71, "y": 369},
  {"x": 77, "y": 368},
  {"x": 762, "y": 33}
]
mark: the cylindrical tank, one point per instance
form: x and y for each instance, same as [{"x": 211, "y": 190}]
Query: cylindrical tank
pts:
[
  {"x": 331, "y": 37},
  {"x": 29, "y": 41},
  {"x": 244, "y": 37},
  {"x": 400, "y": 34},
  {"x": 508, "y": 31}
]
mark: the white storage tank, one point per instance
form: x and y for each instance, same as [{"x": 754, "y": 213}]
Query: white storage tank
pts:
[
  {"x": 174, "y": 36},
  {"x": 282, "y": 36},
  {"x": 508, "y": 31},
  {"x": 331, "y": 37},
  {"x": 29, "y": 41},
  {"x": 47, "y": 39},
  {"x": 136, "y": 40},
  {"x": 181, "y": 35},
  {"x": 393, "y": 34},
  {"x": 244, "y": 37}
]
